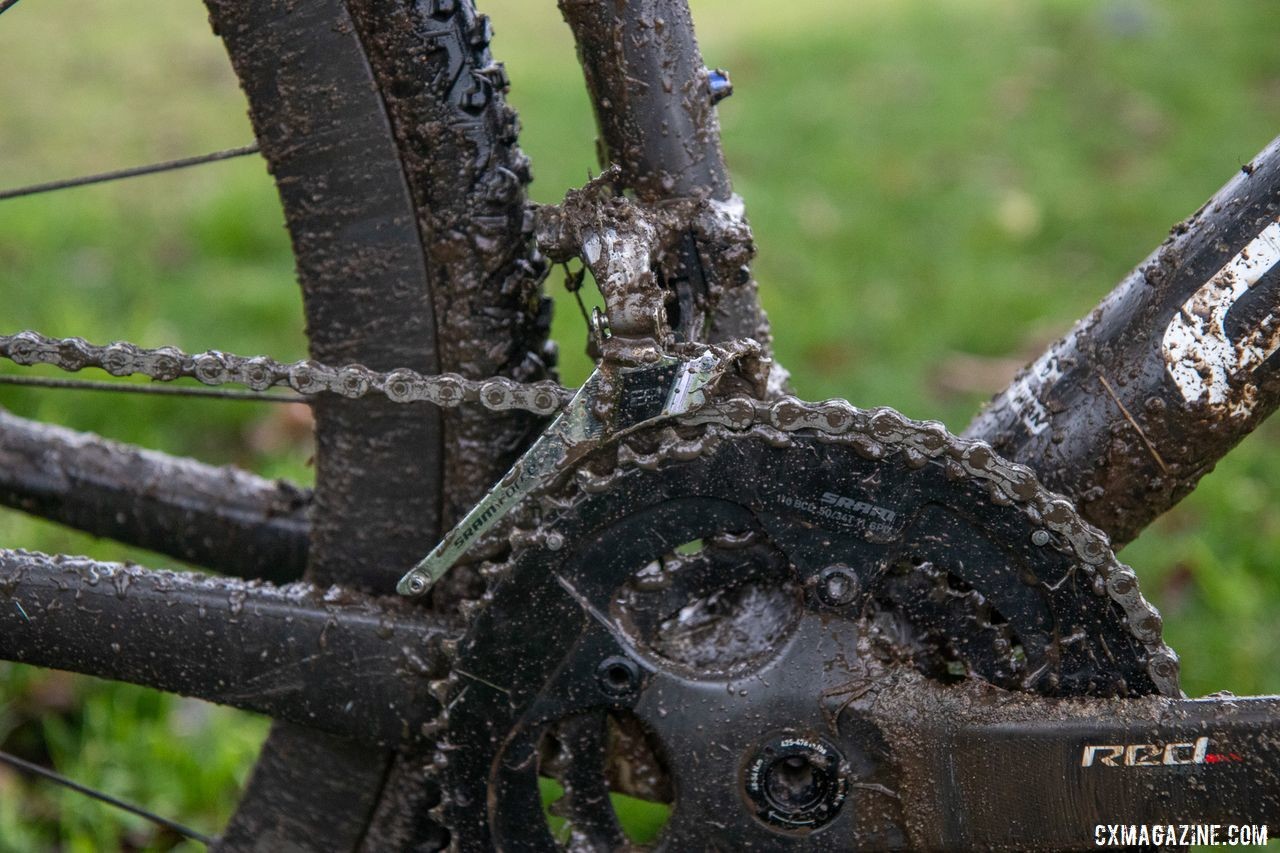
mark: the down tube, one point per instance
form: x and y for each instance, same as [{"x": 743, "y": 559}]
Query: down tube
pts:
[{"x": 1139, "y": 401}]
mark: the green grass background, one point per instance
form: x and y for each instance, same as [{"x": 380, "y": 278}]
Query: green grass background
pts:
[{"x": 938, "y": 188}]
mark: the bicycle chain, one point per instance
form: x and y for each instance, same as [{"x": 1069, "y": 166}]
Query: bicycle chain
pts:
[
  {"x": 874, "y": 432},
  {"x": 259, "y": 373}
]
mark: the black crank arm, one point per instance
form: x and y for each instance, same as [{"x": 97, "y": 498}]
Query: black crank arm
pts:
[{"x": 1001, "y": 771}]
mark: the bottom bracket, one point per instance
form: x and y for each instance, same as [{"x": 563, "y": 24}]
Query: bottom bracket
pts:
[{"x": 795, "y": 782}]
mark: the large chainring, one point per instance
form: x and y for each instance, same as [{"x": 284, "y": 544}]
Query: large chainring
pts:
[{"x": 691, "y": 614}]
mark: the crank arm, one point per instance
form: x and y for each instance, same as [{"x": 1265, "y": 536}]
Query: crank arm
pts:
[
  {"x": 1010, "y": 772},
  {"x": 628, "y": 398}
]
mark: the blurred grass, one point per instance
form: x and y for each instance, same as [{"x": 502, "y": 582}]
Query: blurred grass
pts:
[{"x": 937, "y": 188}]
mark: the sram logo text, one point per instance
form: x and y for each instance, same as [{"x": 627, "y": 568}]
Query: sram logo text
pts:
[
  {"x": 1146, "y": 754},
  {"x": 841, "y": 502}
]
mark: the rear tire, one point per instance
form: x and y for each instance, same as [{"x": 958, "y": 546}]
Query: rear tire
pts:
[{"x": 394, "y": 152}]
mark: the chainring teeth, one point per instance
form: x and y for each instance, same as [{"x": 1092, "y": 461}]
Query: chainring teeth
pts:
[
  {"x": 914, "y": 443},
  {"x": 1013, "y": 484},
  {"x": 881, "y": 438}
]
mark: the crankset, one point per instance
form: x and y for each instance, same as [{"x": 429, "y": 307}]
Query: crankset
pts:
[
  {"x": 827, "y": 640},
  {"x": 797, "y": 625}
]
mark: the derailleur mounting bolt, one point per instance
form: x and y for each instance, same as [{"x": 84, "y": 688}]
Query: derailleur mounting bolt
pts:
[
  {"x": 720, "y": 84},
  {"x": 554, "y": 541},
  {"x": 837, "y": 585},
  {"x": 599, "y": 326}
]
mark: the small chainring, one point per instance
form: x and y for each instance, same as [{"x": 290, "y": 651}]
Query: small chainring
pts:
[{"x": 708, "y": 604}]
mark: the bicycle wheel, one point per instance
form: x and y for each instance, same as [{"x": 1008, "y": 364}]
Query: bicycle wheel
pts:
[{"x": 384, "y": 126}]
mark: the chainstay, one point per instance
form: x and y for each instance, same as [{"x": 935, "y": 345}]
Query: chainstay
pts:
[{"x": 260, "y": 373}]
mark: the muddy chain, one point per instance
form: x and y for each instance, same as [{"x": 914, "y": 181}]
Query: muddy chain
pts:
[
  {"x": 880, "y": 432},
  {"x": 875, "y": 433},
  {"x": 259, "y": 373}
]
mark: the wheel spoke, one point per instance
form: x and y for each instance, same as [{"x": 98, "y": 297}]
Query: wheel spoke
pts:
[
  {"x": 120, "y": 174},
  {"x": 30, "y": 769},
  {"x": 332, "y": 660},
  {"x": 221, "y": 518}
]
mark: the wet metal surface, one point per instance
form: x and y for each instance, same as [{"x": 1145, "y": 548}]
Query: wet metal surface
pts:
[
  {"x": 981, "y": 768},
  {"x": 653, "y": 100},
  {"x": 623, "y": 584},
  {"x": 655, "y": 108}
]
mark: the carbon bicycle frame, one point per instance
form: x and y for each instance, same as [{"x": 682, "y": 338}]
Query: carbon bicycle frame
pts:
[{"x": 1123, "y": 415}]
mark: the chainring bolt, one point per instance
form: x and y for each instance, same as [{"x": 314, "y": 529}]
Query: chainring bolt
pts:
[
  {"x": 618, "y": 677},
  {"x": 837, "y": 585},
  {"x": 1040, "y": 538}
]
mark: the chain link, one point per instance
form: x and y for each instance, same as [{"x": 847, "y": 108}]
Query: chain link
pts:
[
  {"x": 879, "y": 432},
  {"x": 260, "y": 373},
  {"x": 875, "y": 432}
]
